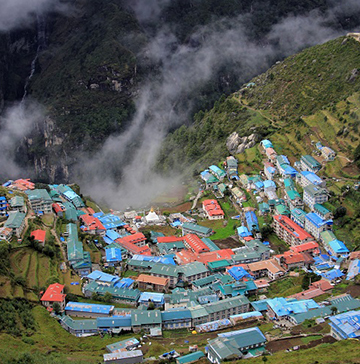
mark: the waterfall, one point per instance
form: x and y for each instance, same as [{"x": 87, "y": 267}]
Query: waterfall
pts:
[{"x": 41, "y": 43}]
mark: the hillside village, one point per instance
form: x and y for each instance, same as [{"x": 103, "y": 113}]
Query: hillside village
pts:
[{"x": 214, "y": 269}]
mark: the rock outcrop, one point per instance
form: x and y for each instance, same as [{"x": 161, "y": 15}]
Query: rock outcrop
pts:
[{"x": 236, "y": 144}]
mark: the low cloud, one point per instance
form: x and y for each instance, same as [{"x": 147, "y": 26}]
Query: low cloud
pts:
[
  {"x": 16, "y": 123},
  {"x": 21, "y": 13}
]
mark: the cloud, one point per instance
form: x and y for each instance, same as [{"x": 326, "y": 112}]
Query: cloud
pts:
[
  {"x": 21, "y": 13},
  {"x": 16, "y": 124},
  {"x": 147, "y": 10}
]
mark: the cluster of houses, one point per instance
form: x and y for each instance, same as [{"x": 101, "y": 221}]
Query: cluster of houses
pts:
[{"x": 187, "y": 281}]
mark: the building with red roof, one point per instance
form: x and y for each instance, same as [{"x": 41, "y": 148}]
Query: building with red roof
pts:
[
  {"x": 169, "y": 239},
  {"x": 92, "y": 225},
  {"x": 138, "y": 239},
  {"x": 194, "y": 243},
  {"x": 57, "y": 209},
  {"x": 213, "y": 210},
  {"x": 39, "y": 235},
  {"x": 23, "y": 184},
  {"x": 90, "y": 210},
  {"x": 291, "y": 259},
  {"x": 315, "y": 289},
  {"x": 132, "y": 248},
  {"x": 186, "y": 256},
  {"x": 311, "y": 247},
  {"x": 289, "y": 231},
  {"x": 54, "y": 293}
]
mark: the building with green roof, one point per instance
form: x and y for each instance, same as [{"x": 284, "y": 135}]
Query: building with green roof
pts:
[
  {"x": 79, "y": 327},
  {"x": 227, "y": 307},
  {"x": 121, "y": 295},
  {"x": 207, "y": 281},
  {"x": 327, "y": 236},
  {"x": 219, "y": 265},
  {"x": 140, "y": 265},
  {"x": 309, "y": 163},
  {"x": 169, "y": 248},
  {"x": 314, "y": 195},
  {"x": 298, "y": 215},
  {"x": 40, "y": 200},
  {"x": 145, "y": 320},
  {"x": 282, "y": 210},
  {"x": 17, "y": 203},
  {"x": 190, "y": 228},
  {"x": 190, "y": 358},
  {"x": 210, "y": 244},
  {"x": 323, "y": 212},
  {"x": 193, "y": 271},
  {"x": 16, "y": 222}
]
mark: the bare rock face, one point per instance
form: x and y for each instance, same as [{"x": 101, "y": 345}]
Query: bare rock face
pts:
[
  {"x": 236, "y": 144},
  {"x": 353, "y": 74}
]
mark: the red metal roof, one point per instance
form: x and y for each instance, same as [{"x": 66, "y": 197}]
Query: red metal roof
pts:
[
  {"x": 134, "y": 238},
  {"x": 134, "y": 249},
  {"x": 311, "y": 245},
  {"x": 169, "y": 239},
  {"x": 39, "y": 235},
  {"x": 54, "y": 293},
  {"x": 196, "y": 244},
  {"x": 56, "y": 207},
  {"x": 292, "y": 227},
  {"x": 92, "y": 223}
]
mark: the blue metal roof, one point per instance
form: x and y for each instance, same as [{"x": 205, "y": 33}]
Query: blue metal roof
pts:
[
  {"x": 347, "y": 324},
  {"x": 111, "y": 221},
  {"x": 97, "y": 275},
  {"x": 338, "y": 247},
  {"x": 269, "y": 183},
  {"x": 238, "y": 273},
  {"x": 114, "y": 321},
  {"x": 312, "y": 177},
  {"x": 112, "y": 235},
  {"x": 243, "y": 231},
  {"x": 88, "y": 307},
  {"x": 247, "y": 315},
  {"x": 154, "y": 297},
  {"x": 316, "y": 220},
  {"x": 251, "y": 220},
  {"x": 113, "y": 255},
  {"x": 332, "y": 274},
  {"x": 282, "y": 307},
  {"x": 175, "y": 314},
  {"x": 124, "y": 283}
]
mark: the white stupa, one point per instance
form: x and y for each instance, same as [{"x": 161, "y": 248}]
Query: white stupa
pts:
[{"x": 152, "y": 217}]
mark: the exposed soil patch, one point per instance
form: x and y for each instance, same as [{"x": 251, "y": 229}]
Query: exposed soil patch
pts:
[
  {"x": 228, "y": 243},
  {"x": 323, "y": 340},
  {"x": 353, "y": 290},
  {"x": 179, "y": 208},
  {"x": 281, "y": 345}
]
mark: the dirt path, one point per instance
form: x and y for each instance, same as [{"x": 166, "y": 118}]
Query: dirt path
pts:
[
  {"x": 196, "y": 200},
  {"x": 273, "y": 122},
  {"x": 54, "y": 234}
]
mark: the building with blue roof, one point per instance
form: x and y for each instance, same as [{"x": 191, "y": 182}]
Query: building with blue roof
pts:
[
  {"x": 190, "y": 358},
  {"x": 102, "y": 277},
  {"x": 113, "y": 256},
  {"x": 217, "y": 172},
  {"x": 333, "y": 274},
  {"x": 282, "y": 307},
  {"x": 124, "y": 283},
  {"x": 111, "y": 221},
  {"x": 315, "y": 225},
  {"x": 115, "y": 325},
  {"x": 337, "y": 248},
  {"x": 251, "y": 221},
  {"x": 308, "y": 178},
  {"x": 3, "y": 206},
  {"x": 266, "y": 144},
  {"x": 269, "y": 184},
  {"x": 238, "y": 273},
  {"x": 345, "y": 325},
  {"x": 208, "y": 178},
  {"x": 156, "y": 298},
  {"x": 84, "y": 309},
  {"x": 173, "y": 319},
  {"x": 243, "y": 232},
  {"x": 354, "y": 269},
  {"x": 112, "y": 235}
]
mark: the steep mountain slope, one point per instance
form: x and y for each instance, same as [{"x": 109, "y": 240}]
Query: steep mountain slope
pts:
[
  {"x": 309, "y": 96},
  {"x": 92, "y": 63}
]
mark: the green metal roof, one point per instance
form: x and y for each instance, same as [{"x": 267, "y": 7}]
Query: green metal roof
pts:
[
  {"x": 327, "y": 236},
  {"x": 292, "y": 194},
  {"x": 310, "y": 161},
  {"x": 125, "y": 294},
  {"x": 193, "y": 268},
  {"x": 314, "y": 190},
  {"x": 206, "y": 281},
  {"x": 139, "y": 317},
  {"x": 79, "y": 324},
  {"x": 75, "y": 249},
  {"x": 224, "y": 349},
  {"x": 17, "y": 201},
  {"x": 197, "y": 312},
  {"x": 321, "y": 209},
  {"x": 165, "y": 269},
  {"x": 288, "y": 182},
  {"x": 226, "y": 304},
  {"x": 282, "y": 210},
  {"x": 15, "y": 220},
  {"x": 190, "y": 357},
  {"x": 219, "y": 264},
  {"x": 39, "y": 194},
  {"x": 197, "y": 228},
  {"x": 140, "y": 264}
]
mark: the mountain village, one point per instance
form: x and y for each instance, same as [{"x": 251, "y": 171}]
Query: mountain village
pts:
[{"x": 140, "y": 274}]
